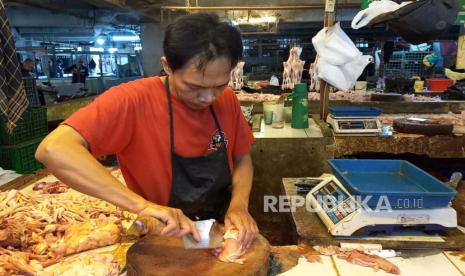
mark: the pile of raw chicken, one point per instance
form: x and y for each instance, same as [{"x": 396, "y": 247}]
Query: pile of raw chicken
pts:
[{"x": 42, "y": 227}]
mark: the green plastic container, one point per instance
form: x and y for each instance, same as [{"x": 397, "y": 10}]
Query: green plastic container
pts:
[
  {"x": 32, "y": 125},
  {"x": 366, "y": 3},
  {"x": 300, "y": 106},
  {"x": 21, "y": 157}
]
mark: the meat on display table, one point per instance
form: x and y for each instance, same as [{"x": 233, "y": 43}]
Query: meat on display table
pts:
[{"x": 432, "y": 263}]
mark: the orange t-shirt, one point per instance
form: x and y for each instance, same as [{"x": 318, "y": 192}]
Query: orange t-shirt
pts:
[{"x": 132, "y": 121}]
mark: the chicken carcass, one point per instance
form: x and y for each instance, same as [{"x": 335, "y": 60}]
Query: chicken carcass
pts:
[
  {"x": 94, "y": 264},
  {"x": 360, "y": 258},
  {"x": 293, "y": 69},
  {"x": 88, "y": 235},
  {"x": 237, "y": 76},
  {"x": 231, "y": 250}
]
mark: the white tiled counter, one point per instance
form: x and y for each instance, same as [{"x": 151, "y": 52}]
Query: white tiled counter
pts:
[{"x": 267, "y": 131}]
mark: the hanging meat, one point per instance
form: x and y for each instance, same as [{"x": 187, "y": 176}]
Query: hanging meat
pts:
[
  {"x": 293, "y": 69},
  {"x": 237, "y": 76}
]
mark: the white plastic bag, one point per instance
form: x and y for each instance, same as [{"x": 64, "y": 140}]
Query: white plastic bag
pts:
[
  {"x": 335, "y": 46},
  {"x": 355, "y": 68},
  {"x": 375, "y": 9},
  {"x": 345, "y": 76},
  {"x": 274, "y": 81}
]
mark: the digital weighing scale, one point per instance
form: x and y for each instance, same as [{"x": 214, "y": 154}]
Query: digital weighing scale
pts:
[
  {"x": 344, "y": 216},
  {"x": 354, "y": 121}
]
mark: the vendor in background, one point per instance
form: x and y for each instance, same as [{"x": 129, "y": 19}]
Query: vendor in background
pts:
[
  {"x": 60, "y": 70},
  {"x": 181, "y": 140},
  {"x": 430, "y": 61},
  {"x": 27, "y": 67},
  {"x": 79, "y": 71}
]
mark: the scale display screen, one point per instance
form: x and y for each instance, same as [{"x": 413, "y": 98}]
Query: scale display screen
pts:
[
  {"x": 357, "y": 124},
  {"x": 336, "y": 203}
]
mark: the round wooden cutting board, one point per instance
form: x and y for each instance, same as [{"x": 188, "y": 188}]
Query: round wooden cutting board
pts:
[{"x": 155, "y": 255}]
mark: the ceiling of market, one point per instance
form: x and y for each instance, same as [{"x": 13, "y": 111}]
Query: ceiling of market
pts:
[{"x": 72, "y": 21}]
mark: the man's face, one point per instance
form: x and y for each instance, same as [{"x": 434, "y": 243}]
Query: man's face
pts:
[{"x": 199, "y": 88}]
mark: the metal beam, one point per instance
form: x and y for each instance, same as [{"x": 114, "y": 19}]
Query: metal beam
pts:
[
  {"x": 123, "y": 5},
  {"x": 263, "y": 8},
  {"x": 36, "y": 4},
  {"x": 108, "y": 3}
]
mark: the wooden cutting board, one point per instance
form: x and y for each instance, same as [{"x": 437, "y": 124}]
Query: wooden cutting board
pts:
[{"x": 155, "y": 255}]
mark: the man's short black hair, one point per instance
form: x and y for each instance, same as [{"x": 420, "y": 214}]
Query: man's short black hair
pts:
[{"x": 202, "y": 36}]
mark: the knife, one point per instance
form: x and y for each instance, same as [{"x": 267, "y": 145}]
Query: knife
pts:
[
  {"x": 404, "y": 253},
  {"x": 417, "y": 253},
  {"x": 142, "y": 226},
  {"x": 211, "y": 235}
]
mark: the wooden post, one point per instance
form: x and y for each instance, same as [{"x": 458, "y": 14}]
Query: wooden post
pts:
[
  {"x": 460, "y": 63},
  {"x": 324, "y": 87}
]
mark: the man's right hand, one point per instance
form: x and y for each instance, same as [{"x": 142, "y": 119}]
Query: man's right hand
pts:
[{"x": 177, "y": 224}]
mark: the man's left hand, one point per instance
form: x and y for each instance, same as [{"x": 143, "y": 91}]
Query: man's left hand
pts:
[{"x": 244, "y": 223}]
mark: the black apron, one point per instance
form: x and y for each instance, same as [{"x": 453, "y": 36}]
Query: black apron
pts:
[{"x": 200, "y": 186}]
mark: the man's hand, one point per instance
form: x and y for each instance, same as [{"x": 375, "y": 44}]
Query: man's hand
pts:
[
  {"x": 244, "y": 223},
  {"x": 177, "y": 224}
]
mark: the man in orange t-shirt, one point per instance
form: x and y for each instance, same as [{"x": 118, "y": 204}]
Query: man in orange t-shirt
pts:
[{"x": 181, "y": 140}]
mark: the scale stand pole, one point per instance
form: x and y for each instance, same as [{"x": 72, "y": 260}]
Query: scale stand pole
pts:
[{"x": 324, "y": 87}]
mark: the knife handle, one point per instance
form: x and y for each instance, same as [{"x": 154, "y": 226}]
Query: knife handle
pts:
[{"x": 149, "y": 225}]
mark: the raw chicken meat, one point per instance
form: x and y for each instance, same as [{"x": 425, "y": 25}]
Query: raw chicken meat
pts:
[
  {"x": 94, "y": 264},
  {"x": 328, "y": 250},
  {"x": 293, "y": 69},
  {"x": 311, "y": 254},
  {"x": 88, "y": 235},
  {"x": 237, "y": 76},
  {"x": 56, "y": 187},
  {"x": 256, "y": 97},
  {"x": 359, "y": 258},
  {"x": 314, "y": 80},
  {"x": 231, "y": 250}
]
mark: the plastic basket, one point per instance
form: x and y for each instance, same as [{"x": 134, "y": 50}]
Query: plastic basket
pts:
[
  {"x": 403, "y": 184},
  {"x": 21, "y": 157},
  {"x": 33, "y": 124},
  {"x": 354, "y": 111},
  {"x": 31, "y": 91}
]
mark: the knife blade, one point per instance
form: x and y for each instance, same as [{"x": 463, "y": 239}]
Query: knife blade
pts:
[
  {"x": 417, "y": 253},
  {"x": 211, "y": 235}
]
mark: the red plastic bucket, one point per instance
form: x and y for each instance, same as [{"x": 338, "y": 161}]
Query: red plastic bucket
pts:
[{"x": 438, "y": 85}]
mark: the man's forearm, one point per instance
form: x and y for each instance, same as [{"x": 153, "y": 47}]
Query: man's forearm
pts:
[
  {"x": 242, "y": 181},
  {"x": 72, "y": 163}
]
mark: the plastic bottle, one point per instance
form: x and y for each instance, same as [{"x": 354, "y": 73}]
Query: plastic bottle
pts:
[{"x": 300, "y": 106}]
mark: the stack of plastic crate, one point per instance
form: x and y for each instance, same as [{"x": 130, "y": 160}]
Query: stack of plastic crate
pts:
[
  {"x": 31, "y": 91},
  {"x": 18, "y": 148}
]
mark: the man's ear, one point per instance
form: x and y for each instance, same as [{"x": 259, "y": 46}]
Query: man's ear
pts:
[{"x": 166, "y": 67}]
